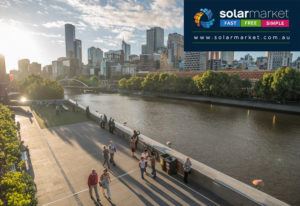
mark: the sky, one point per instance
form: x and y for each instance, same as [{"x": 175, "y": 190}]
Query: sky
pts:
[{"x": 34, "y": 29}]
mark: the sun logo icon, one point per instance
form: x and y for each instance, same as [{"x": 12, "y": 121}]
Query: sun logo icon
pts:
[{"x": 198, "y": 18}]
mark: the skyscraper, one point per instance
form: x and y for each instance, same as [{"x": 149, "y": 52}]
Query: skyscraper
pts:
[
  {"x": 175, "y": 49},
  {"x": 70, "y": 40},
  {"x": 95, "y": 56},
  {"x": 279, "y": 59},
  {"x": 195, "y": 60},
  {"x": 155, "y": 39},
  {"x": 78, "y": 50},
  {"x": 2, "y": 68},
  {"x": 35, "y": 68},
  {"x": 126, "y": 50},
  {"x": 227, "y": 56},
  {"x": 144, "y": 49},
  {"x": 23, "y": 67}
]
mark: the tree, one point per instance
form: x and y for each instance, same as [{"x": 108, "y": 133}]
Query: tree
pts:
[
  {"x": 150, "y": 82},
  {"x": 135, "y": 83},
  {"x": 35, "y": 87},
  {"x": 286, "y": 84}
]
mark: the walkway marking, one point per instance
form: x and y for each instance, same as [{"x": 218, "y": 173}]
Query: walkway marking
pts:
[
  {"x": 84, "y": 190},
  {"x": 195, "y": 191}
]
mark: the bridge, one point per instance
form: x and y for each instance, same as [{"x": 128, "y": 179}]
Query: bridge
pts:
[{"x": 73, "y": 83}]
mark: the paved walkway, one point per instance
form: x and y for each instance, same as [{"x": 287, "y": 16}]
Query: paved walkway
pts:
[{"x": 62, "y": 158}]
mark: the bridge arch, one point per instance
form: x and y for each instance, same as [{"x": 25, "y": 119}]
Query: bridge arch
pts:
[{"x": 72, "y": 80}]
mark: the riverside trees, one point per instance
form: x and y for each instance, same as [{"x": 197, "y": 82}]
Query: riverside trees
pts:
[
  {"x": 35, "y": 87},
  {"x": 283, "y": 85}
]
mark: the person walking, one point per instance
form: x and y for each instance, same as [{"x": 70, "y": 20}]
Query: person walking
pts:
[
  {"x": 187, "y": 167},
  {"x": 104, "y": 183},
  {"x": 112, "y": 150},
  {"x": 87, "y": 112},
  {"x": 92, "y": 183},
  {"x": 153, "y": 161},
  {"x": 104, "y": 120},
  {"x": 145, "y": 155},
  {"x": 132, "y": 146},
  {"x": 142, "y": 165},
  {"x": 111, "y": 125},
  {"x": 136, "y": 137},
  {"x": 101, "y": 121},
  {"x": 106, "y": 156}
]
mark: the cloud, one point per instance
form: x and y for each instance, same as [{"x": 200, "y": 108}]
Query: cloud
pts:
[
  {"x": 54, "y": 24},
  {"x": 130, "y": 13},
  {"x": 5, "y": 3},
  {"x": 47, "y": 35},
  {"x": 60, "y": 24}
]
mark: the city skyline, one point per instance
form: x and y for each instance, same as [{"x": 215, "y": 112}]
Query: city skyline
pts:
[{"x": 35, "y": 30}]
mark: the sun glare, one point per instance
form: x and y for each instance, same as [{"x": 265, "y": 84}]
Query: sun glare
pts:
[{"x": 16, "y": 42}]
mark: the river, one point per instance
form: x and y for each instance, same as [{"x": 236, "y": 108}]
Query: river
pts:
[{"x": 244, "y": 144}]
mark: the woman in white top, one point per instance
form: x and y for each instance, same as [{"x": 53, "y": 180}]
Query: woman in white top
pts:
[{"x": 142, "y": 165}]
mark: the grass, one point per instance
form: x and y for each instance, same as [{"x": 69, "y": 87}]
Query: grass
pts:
[{"x": 46, "y": 116}]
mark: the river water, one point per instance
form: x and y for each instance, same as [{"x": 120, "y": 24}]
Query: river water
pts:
[{"x": 244, "y": 144}]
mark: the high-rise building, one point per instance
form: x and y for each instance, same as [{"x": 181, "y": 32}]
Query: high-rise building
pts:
[
  {"x": 115, "y": 56},
  {"x": 78, "y": 50},
  {"x": 95, "y": 56},
  {"x": 23, "y": 67},
  {"x": 144, "y": 49},
  {"x": 35, "y": 68},
  {"x": 155, "y": 39},
  {"x": 214, "y": 55},
  {"x": 70, "y": 40},
  {"x": 262, "y": 63},
  {"x": 279, "y": 59},
  {"x": 175, "y": 49},
  {"x": 126, "y": 50},
  {"x": 227, "y": 57},
  {"x": 195, "y": 60},
  {"x": 2, "y": 68}
]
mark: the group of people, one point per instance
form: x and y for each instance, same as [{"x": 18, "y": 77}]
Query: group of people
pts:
[
  {"x": 143, "y": 163},
  {"x": 93, "y": 182},
  {"x": 103, "y": 121},
  {"x": 108, "y": 154},
  {"x": 109, "y": 151}
]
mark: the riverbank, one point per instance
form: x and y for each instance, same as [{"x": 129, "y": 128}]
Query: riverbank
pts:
[{"x": 250, "y": 104}]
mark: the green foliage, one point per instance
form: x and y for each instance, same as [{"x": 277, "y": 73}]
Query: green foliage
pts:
[
  {"x": 221, "y": 84},
  {"x": 283, "y": 85},
  {"x": 17, "y": 187},
  {"x": 151, "y": 82},
  {"x": 186, "y": 85},
  {"x": 92, "y": 81},
  {"x": 35, "y": 87},
  {"x": 133, "y": 83},
  {"x": 9, "y": 144}
]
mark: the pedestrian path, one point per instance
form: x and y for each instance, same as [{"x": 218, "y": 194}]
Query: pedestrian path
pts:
[{"x": 63, "y": 157}]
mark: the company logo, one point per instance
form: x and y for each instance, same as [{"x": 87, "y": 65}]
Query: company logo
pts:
[{"x": 198, "y": 18}]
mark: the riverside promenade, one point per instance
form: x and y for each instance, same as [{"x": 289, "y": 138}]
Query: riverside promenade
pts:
[{"x": 62, "y": 158}]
